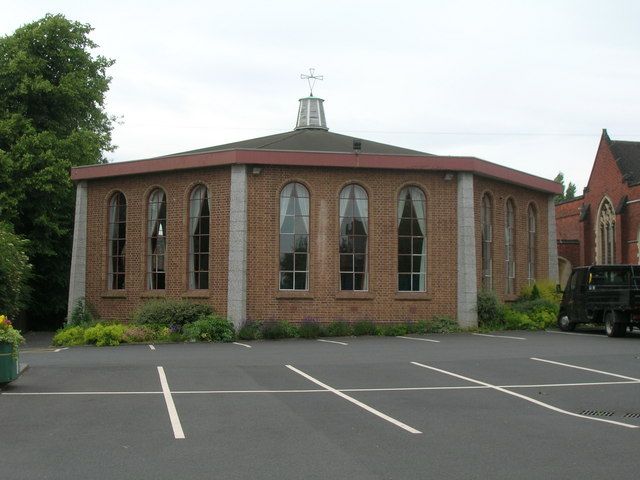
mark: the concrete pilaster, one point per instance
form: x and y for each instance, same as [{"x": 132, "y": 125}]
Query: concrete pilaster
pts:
[
  {"x": 467, "y": 275},
  {"x": 77, "y": 276},
  {"x": 552, "y": 242},
  {"x": 237, "y": 279}
]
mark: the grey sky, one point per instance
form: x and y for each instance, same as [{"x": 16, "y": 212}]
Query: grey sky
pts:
[{"x": 524, "y": 84}]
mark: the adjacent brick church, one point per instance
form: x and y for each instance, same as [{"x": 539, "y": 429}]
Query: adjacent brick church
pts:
[
  {"x": 310, "y": 224},
  {"x": 603, "y": 224}
]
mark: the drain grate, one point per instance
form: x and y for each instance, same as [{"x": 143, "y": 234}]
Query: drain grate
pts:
[
  {"x": 597, "y": 413},
  {"x": 632, "y": 415}
]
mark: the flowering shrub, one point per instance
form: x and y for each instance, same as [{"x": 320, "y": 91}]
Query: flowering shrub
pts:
[{"x": 10, "y": 335}]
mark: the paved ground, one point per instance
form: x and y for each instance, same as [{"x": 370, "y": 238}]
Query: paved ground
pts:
[{"x": 464, "y": 407}]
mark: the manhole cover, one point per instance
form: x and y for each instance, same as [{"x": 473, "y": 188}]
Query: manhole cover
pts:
[{"x": 596, "y": 413}]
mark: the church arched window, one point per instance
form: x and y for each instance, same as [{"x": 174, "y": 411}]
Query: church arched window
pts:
[
  {"x": 117, "y": 241},
  {"x": 354, "y": 231},
  {"x": 294, "y": 237},
  {"x": 606, "y": 233},
  {"x": 509, "y": 247},
  {"x": 531, "y": 244},
  {"x": 486, "y": 220},
  {"x": 412, "y": 245},
  {"x": 199, "y": 238},
  {"x": 156, "y": 240}
]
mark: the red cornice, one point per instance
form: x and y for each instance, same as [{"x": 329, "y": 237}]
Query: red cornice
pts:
[{"x": 316, "y": 159}]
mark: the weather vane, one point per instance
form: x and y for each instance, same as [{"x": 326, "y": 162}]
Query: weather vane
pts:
[{"x": 311, "y": 78}]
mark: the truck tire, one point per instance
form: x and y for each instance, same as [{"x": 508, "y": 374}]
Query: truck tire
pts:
[
  {"x": 565, "y": 324},
  {"x": 613, "y": 326}
]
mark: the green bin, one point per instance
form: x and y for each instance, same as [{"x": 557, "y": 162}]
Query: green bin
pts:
[{"x": 8, "y": 363}]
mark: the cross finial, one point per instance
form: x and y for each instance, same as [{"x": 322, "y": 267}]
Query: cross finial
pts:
[{"x": 311, "y": 78}]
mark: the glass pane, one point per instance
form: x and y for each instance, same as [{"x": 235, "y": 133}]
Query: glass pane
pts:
[
  {"x": 120, "y": 282},
  {"x": 405, "y": 227},
  {"x": 415, "y": 286},
  {"x": 359, "y": 263},
  {"x": 122, "y": 213},
  {"x": 346, "y": 263},
  {"x": 346, "y": 245},
  {"x": 204, "y": 280},
  {"x": 300, "y": 225},
  {"x": 404, "y": 263},
  {"x": 360, "y": 244},
  {"x": 122, "y": 230},
  {"x": 415, "y": 228},
  {"x": 300, "y": 280},
  {"x": 204, "y": 262},
  {"x": 300, "y": 262},
  {"x": 407, "y": 210},
  {"x": 302, "y": 243},
  {"x": 286, "y": 243},
  {"x": 120, "y": 264},
  {"x": 290, "y": 204},
  {"x": 404, "y": 283},
  {"x": 160, "y": 277},
  {"x": 346, "y": 281},
  {"x": 286, "y": 225},
  {"x": 359, "y": 281},
  {"x": 203, "y": 226},
  {"x": 359, "y": 226},
  {"x": 404, "y": 245},
  {"x": 346, "y": 227},
  {"x": 286, "y": 261},
  {"x": 418, "y": 245},
  {"x": 417, "y": 264},
  {"x": 302, "y": 206},
  {"x": 286, "y": 280}
]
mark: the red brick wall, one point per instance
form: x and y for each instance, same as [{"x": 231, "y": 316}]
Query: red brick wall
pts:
[
  {"x": 500, "y": 192},
  {"x": 119, "y": 304}
]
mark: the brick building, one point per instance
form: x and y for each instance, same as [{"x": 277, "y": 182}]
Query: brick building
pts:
[
  {"x": 603, "y": 224},
  {"x": 309, "y": 224}
]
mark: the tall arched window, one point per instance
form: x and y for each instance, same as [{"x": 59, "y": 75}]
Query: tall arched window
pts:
[
  {"x": 354, "y": 227},
  {"x": 294, "y": 237},
  {"x": 606, "y": 233},
  {"x": 156, "y": 240},
  {"x": 412, "y": 243},
  {"x": 531, "y": 245},
  {"x": 199, "y": 238},
  {"x": 509, "y": 249},
  {"x": 117, "y": 241},
  {"x": 486, "y": 219}
]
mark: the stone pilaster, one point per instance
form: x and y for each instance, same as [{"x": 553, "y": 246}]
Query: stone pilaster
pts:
[
  {"x": 467, "y": 275},
  {"x": 77, "y": 277},
  {"x": 237, "y": 279}
]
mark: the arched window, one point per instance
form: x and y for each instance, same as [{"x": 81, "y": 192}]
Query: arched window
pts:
[
  {"x": 531, "y": 245},
  {"x": 509, "y": 249},
  {"x": 156, "y": 240},
  {"x": 199, "y": 238},
  {"x": 354, "y": 227},
  {"x": 606, "y": 233},
  {"x": 412, "y": 240},
  {"x": 294, "y": 237},
  {"x": 486, "y": 219},
  {"x": 117, "y": 241}
]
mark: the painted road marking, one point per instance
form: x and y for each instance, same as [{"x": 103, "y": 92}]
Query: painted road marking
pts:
[
  {"x": 60, "y": 349},
  {"x": 171, "y": 407},
  {"x": 354, "y": 401},
  {"x": 578, "y": 334},
  {"x": 584, "y": 368},
  {"x": 497, "y": 336},
  {"x": 332, "y": 341},
  {"x": 524, "y": 397},
  {"x": 152, "y": 347},
  {"x": 421, "y": 339},
  {"x": 242, "y": 344}
]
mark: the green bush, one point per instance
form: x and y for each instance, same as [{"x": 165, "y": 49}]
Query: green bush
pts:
[
  {"x": 15, "y": 272},
  {"x": 489, "y": 309},
  {"x": 104, "y": 335},
  {"x": 338, "y": 329},
  {"x": 546, "y": 290},
  {"x": 69, "y": 336},
  {"x": 83, "y": 313},
  {"x": 282, "y": 329},
  {"x": 250, "y": 331},
  {"x": 392, "y": 330},
  {"x": 148, "y": 333},
  {"x": 209, "y": 328},
  {"x": 421, "y": 326},
  {"x": 526, "y": 306},
  {"x": 364, "y": 327},
  {"x": 170, "y": 312},
  {"x": 310, "y": 329},
  {"x": 442, "y": 324}
]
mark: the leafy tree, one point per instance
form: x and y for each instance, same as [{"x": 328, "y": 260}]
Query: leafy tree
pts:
[
  {"x": 14, "y": 272},
  {"x": 571, "y": 191},
  {"x": 52, "y": 117},
  {"x": 568, "y": 193}
]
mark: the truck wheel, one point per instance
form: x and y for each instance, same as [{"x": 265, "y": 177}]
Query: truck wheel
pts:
[
  {"x": 613, "y": 328},
  {"x": 565, "y": 324}
]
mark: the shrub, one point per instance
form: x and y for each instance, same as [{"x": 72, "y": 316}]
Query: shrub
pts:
[
  {"x": 146, "y": 333},
  {"x": 489, "y": 309},
  {"x": 364, "y": 327},
  {"x": 210, "y": 328},
  {"x": 15, "y": 272},
  {"x": 527, "y": 306},
  {"x": 69, "y": 336},
  {"x": 420, "y": 326},
  {"x": 83, "y": 313},
  {"x": 282, "y": 329},
  {"x": 104, "y": 335},
  {"x": 250, "y": 331},
  {"x": 546, "y": 290},
  {"x": 392, "y": 330},
  {"x": 310, "y": 328},
  {"x": 339, "y": 329},
  {"x": 170, "y": 312},
  {"x": 442, "y": 324}
]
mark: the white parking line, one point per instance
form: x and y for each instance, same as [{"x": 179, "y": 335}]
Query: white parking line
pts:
[
  {"x": 60, "y": 349},
  {"x": 332, "y": 341},
  {"x": 242, "y": 344},
  {"x": 355, "y": 402},
  {"x": 524, "y": 397},
  {"x": 421, "y": 339},
  {"x": 497, "y": 336},
  {"x": 178, "y": 433},
  {"x": 578, "y": 334},
  {"x": 152, "y": 347},
  {"x": 584, "y": 368}
]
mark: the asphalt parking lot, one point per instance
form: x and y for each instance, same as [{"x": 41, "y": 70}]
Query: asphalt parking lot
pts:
[{"x": 514, "y": 405}]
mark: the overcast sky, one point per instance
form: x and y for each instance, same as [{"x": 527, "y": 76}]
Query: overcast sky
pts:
[{"x": 526, "y": 84}]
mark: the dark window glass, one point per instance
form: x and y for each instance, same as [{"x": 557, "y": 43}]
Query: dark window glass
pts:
[
  {"x": 117, "y": 241},
  {"x": 199, "y": 238},
  {"x": 486, "y": 220},
  {"x": 354, "y": 220},
  {"x": 294, "y": 237},
  {"x": 509, "y": 248},
  {"x": 411, "y": 240},
  {"x": 531, "y": 247},
  {"x": 156, "y": 240}
]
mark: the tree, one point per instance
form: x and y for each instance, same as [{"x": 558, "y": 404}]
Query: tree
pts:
[
  {"x": 14, "y": 272},
  {"x": 567, "y": 194},
  {"x": 52, "y": 117}
]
